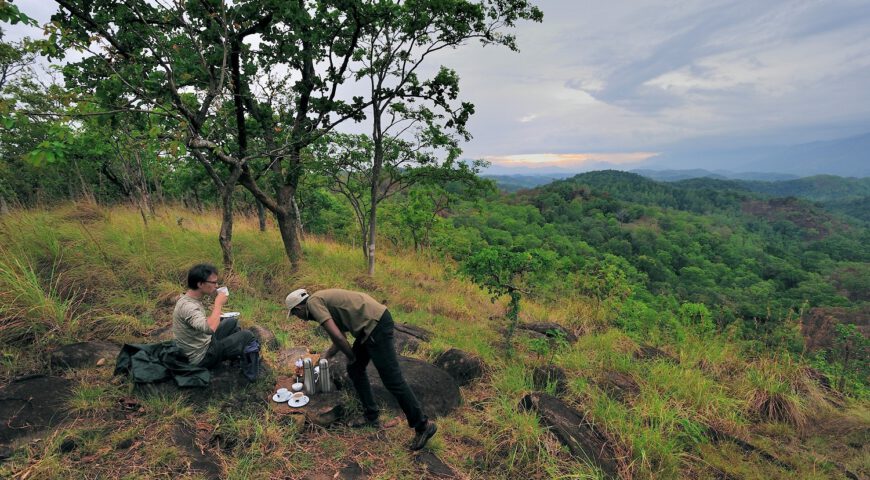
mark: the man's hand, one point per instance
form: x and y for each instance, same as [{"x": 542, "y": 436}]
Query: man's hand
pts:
[
  {"x": 220, "y": 299},
  {"x": 215, "y": 318},
  {"x": 338, "y": 339},
  {"x": 330, "y": 352}
]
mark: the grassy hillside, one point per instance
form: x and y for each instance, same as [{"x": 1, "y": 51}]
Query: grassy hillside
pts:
[{"x": 82, "y": 272}]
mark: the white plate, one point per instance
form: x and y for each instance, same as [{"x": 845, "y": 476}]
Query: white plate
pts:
[
  {"x": 300, "y": 403},
  {"x": 280, "y": 398},
  {"x": 230, "y": 314}
]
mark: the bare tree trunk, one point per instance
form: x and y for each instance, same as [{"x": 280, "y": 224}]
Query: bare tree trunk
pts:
[
  {"x": 261, "y": 215},
  {"x": 140, "y": 206},
  {"x": 226, "y": 234},
  {"x": 288, "y": 229},
  {"x": 86, "y": 193},
  {"x": 158, "y": 192},
  {"x": 300, "y": 232},
  {"x": 197, "y": 201},
  {"x": 143, "y": 184},
  {"x": 377, "y": 163}
]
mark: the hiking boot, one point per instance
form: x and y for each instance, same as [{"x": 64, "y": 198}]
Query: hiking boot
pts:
[
  {"x": 423, "y": 436},
  {"x": 362, "y": 422}
]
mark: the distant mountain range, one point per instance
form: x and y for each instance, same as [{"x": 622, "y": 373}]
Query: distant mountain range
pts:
[
  {"x": 849, "y": 196},
  {"x": 677, "y": 175},
  {"x": 845, "y": 157},
  {"x": 512, "y": 183}
]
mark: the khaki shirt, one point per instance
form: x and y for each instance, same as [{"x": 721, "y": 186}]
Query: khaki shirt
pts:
[
  {"x": 353, "y": 312},
  {"x": 190, "y": 327}
]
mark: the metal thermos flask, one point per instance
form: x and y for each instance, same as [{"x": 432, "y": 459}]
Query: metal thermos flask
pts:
[
  {"x": 324, "y": 380},
  {"x": 308, "y": 377}
]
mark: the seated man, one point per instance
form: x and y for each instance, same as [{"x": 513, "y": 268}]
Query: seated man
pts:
[
  {"x": 206, "y": 339},
  {"x": 339, "y": 311}
]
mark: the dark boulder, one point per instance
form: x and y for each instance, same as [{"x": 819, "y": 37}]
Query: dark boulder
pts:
[
  {"x": 68, "y": 445},
  {"x": 462, "y": 366},
  {"x": 198, "y": 462},
  {"x": 226, "y": 381},
  {"x": 544, "y": 376},
  {"x": 288, "y": 356},
  {"x": 437, "y": 391},
  {"x": 408, "y": 338},
  {"x": 648, "y": 352},
  {"x": 324, "y": 409},
  {"x": 84, "y": 355},
  {"x": 162, "y": 333},
  {"x": 718, "y": 435},
  {"x": 432, "y": 466},
  {"x": 584, "y": 439},
  {"x": 351, "y": 471},
  {"x": 32, "y": 404},
  {"x": 548, "y": 329},
  {"x": 265, "y": 337},
  {"x": 620, "y": 386}
]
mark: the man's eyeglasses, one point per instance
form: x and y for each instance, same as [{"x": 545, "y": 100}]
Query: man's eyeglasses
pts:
[{"x": 210, "y": 281}]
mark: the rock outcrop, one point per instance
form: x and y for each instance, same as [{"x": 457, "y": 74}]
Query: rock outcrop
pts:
[
  {"x": 585, "y": 440},
  {"x": 408, "y": 337},
  {"x": 648, "y": 352},
  {"x": 432, "y": 466},
  {"x": 547, "y": 329},
  {"x": 544, "y": 376},
  {"x": 84, "y": 355},
  {"x": 32, "y": 404},
  {"x": 462, "y": 366},
  {"x": 620, "y": 386},
  {"x": 226, "y": 381},
  {"x": 436, "y": 389},
  {"x": 265, "y": 337}
]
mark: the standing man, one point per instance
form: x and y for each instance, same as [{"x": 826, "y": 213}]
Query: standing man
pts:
[
  {"x": 205, "y": 338},
  {"x": 339, "y": 311}
]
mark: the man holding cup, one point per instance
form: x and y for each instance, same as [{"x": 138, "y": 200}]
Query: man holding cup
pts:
[{"x": 206, "y": 339}]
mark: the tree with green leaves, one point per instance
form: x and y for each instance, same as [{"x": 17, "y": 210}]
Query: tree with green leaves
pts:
[
  {"x": 194, "y": 63},
  {"x": 188, "y": 59},
  {"x": 403, "y": 103},
  {"x": 501, "y": 271},
  {"x": 15, "y": 60},
  {"x": 348, "y": 162}
]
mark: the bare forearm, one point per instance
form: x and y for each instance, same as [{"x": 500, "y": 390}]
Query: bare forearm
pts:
[
  {"x": 215, "y": 318},
  {"x": 338, "y": 339},
  {"x": 331, "y": 351},
  {"x": 342, "y": 344}
]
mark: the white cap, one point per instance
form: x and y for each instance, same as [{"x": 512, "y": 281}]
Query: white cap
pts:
[{"x": 295, "y": 298}]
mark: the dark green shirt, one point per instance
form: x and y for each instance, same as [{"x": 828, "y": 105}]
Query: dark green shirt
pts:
[{"x": 353, "y": 312}]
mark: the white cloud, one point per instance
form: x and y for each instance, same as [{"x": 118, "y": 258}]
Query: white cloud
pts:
[
  {"x": 638, "y": 75},
  {"x": 568, "y": 160}
]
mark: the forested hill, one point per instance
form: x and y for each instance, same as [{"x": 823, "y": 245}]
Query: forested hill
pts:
[
  {"x": 747, "y": 258},
  {"x": 848, "y": 196},
  {"x": 819, "y": 188},
  {"x": 708, "y": 196}
]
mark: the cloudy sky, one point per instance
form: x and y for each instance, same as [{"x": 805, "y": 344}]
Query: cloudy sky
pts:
[{"x": 624, "y": 80}]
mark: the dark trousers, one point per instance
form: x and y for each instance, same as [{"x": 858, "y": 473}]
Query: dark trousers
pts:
[
  {"x": 378, "y": 347},
  {"x": 227, "y": 342}
]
